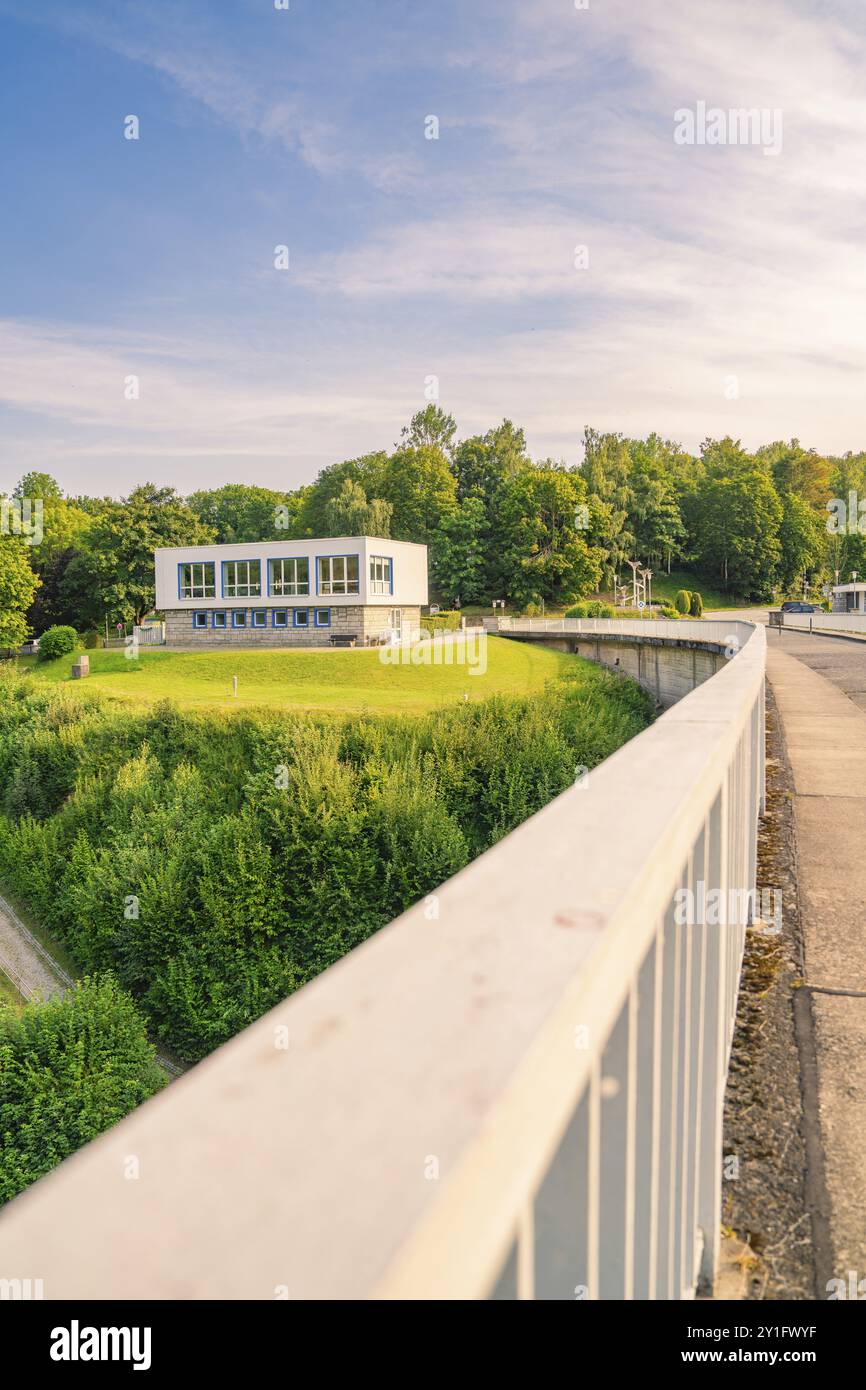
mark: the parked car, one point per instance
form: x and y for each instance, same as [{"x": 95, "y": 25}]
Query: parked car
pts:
[{"x": 793, "y": 606}]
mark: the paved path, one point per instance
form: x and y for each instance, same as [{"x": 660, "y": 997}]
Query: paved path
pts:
[
  {"x": 25, "y": 961},
  {"x": 820, "y": 688},
  {"x": 34, "y": 972}
]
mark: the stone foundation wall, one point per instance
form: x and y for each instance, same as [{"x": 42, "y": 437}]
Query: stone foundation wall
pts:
[{"x": 359, "y": 621}]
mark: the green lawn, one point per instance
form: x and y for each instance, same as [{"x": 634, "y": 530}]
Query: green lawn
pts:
[
  {"x": 666, "y": 587},
  {"x": 351, "y": 681}
]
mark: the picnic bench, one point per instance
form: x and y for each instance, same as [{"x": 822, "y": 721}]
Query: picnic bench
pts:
[{"x": 343, "y": 639}]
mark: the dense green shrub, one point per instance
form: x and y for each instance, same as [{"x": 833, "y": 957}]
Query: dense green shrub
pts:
[
  {"x": 92, "y": 639},
  {"x": 696, "y": 605},
  {"x": 440, "y": 622},
  {"x": 683, "y": 601},
  {"x": 666, "y": 611},
  {"x": 592, "y": 608},
  {"x": 57, "y": 641},
  {"x": 217, "y": 862},
  {"x": 69, "y": 1069}
]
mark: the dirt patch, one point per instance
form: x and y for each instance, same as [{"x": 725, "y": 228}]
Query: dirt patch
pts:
[{"x": 764, "y": 1201}]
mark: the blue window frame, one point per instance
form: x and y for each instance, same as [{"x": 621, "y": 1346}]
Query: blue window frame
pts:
[
  {"x": 338, "y": 574},
  {"x": 199, "y": 619},
  {"x": 280, "y": 617},
  {"x": 239, "y": 617},
  {"x": 218, "y": 618},
  {"x": 300, "y": 617},
  {"x": 289, "y": 577},
  {"x": 381, "y": 574},
  {"x": 242, "y": 578},
  {"x": 323, "y": 617},
  {"x": 260, "y": 617},
  {"x": 196, "y": 579}
]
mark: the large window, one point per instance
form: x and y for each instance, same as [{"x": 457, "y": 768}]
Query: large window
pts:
[
  {"x": 242, "y": 578},
  {"x": 286, "y": 578},
  {"x": 197, "y": 580},
  {"x": 380, "y": 574},
  {"x": 338, "y": 574}
]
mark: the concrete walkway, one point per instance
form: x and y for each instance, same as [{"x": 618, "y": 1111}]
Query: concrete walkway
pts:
[
  {"x": 25, "y": 961},
  {"x": 825, "y": 737}
]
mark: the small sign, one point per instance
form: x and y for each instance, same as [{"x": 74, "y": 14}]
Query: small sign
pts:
[
  {"x": 434, "y": 609},
  {"x": 641, "y": 603}
]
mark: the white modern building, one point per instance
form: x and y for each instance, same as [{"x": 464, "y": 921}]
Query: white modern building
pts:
[
  {"x": 311, "y": 593},
  {"x": 849, "y": 598}
]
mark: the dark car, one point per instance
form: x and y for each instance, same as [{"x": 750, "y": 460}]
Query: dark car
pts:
[{"x": 792, "y": 606}]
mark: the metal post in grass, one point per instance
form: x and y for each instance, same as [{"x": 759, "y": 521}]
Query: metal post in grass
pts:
[{"x": 234, "y": 686}]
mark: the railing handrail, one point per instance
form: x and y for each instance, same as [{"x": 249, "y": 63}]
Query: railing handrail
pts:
[{"x": 397, "y": 1143}]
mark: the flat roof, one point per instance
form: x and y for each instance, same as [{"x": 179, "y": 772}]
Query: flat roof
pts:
[{"x": 289, "y": 540}]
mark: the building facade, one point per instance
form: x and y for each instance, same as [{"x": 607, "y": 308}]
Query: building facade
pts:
[
  {"x": 849, "y": 598},
  {"x": 292, "y": 593}
]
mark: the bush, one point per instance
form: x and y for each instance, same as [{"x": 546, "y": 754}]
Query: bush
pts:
[
  {"x": 57, "y": 641},
  {"x": 72, "y": 1067},
  {"x": 668, "y": 612},
  {"x": 92, "y": 639},
  {"x": 592, "y": 608},
  {"x": 216, "y": 864},
  {"x": 440, "y": 622},
  {"x": 683, "y": 601},
  {"x": 532, "y": 610},
  {"x": 696, "y": 606}
]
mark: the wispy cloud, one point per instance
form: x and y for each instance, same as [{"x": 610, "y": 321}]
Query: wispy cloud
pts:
[{"x": 456, "y": 257}]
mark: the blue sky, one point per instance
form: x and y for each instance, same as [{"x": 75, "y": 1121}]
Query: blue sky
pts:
[{"x": 724, "y": 293}]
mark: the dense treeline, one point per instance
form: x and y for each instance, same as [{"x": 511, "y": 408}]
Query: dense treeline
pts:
[
  {"x": 499, "y": 525},
  {"x": 69, "y": 1069},
  {"x": 216, "y": 863}
]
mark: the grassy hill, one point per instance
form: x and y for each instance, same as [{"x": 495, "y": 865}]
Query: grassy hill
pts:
[
  {"x": 667, "y": 586},
  {"x": 349, "y": 681}
]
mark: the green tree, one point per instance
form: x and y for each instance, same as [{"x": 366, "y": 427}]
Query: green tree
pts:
[
  {"x": 430, "y": 427},
  {"x": 18, "y": 584},
  {"x": 239, "y": 512},
  {"x": 735, "y": 516},
  {"x": 803, "y": 540},
  {"x": 656, "y": 519},
  {"x": 368, "y": 472},
  {"x": 116, "y": 567},
  {"x": 421, "y": 488},
  {"x": 607, "y": 472},
  {"x": 459, "y": 562},
  {"x": 544, "y": 550},
  {"x": 485, "y": 461},
  {"x": 37, "y": 485},
  {"x": 69, "y": 1069},
  {"x": 350, "y": 514}
]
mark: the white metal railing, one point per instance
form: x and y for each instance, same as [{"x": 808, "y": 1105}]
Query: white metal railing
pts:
[
  {"x": 830, "y": 622},
  {"x": 514, "y": 1090},
  {"x": 692, "y": 629}
]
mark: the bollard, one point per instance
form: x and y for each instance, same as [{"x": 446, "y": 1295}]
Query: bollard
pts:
[{"x": 234, "y": 685}]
